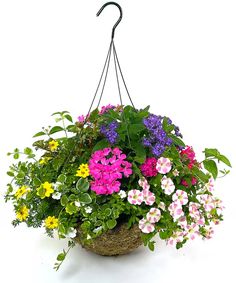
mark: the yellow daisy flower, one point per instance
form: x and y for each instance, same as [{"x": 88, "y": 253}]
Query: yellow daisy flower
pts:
[
  {"x": 22, "y": 213},
  {"x": 83, "y": 171},
  {"x": 44, "y": 160},
  {"x": 21, "y": 191},
  {"x": 47, "y": 190},
  {"x": 51, "y": 222},
  {"x": 53, "y": 145}
]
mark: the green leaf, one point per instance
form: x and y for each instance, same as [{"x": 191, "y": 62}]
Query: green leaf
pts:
[
  {"x": 16, "y": 155},
  {"x": 224, "y": 159},
  {"x": 107, "y": 211},
  {"x": 94, "y": 115},
  {"x": 69, "y": 118},
  {"x": 39, "y": 134},
  {"x": 140, "y": 153},
  {"x": 11, "y": 174},
  {"x": 28, "y": 151},
  {"x": 211, "y": 167},
  {"x": 61, "y": 178},
  {"x": 151, "y": 245},
  {"x": 101, "y": 145},
  {"x": 163, "y": 235},
  {"x": 71, "y": 208},
  {"x": 20, "y": 175},
  {"x": 82, "y": 185},
  {"x": 198, "y": 173},
  {"x": 85, "y": 198},
  {"x": 55, "y": 130},
  {"x": 64, "y": 200},
  {"x": 36, "y": 182},
  {"x": 176, "y": 140},
  {"x": 211, "y": 152},
  {"x": 61, "y": 257},
  {"x": 111, "y": 223},
  {"x": 136, "y": 128}
]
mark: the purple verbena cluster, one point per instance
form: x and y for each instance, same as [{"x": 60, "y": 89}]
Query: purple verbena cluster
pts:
[
  {"x": 109, "y": 131},
  {"x": 157, "y": 140}
]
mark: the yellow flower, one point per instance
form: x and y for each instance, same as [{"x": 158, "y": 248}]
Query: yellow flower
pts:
[
  {"x": 51, "y": 222},
  {"x": 44, "y": 160},
  {"x": 22, "y": 213},
  {"x": 83, "y": 171},
  {"x": 53, "y": 145},
  {"x": 21, "y": 191},
  {"x": 45, "y": 190}
]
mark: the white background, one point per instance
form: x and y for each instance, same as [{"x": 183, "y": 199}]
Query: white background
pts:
[{"x": 178, "y": 56}]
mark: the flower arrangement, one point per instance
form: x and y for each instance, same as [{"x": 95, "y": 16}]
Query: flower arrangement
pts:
[{"x": 116, "y": 165}]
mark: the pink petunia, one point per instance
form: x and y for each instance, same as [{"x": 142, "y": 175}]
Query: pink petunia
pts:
[
  {"x": 153, "y": 215},
  {"x": 175, "y": 210},
  {"x": 207, "y": 201},
  {"x": 176, "y": 237},
  {"x": 163, "y": 165},
  {"x": 182, "y": 222},
  {"x": 135, "y": 197},
  {"x": 143, "y": 183},
  {"x": 210, "y": 185},
  {"x": 192, "y": 231},
  {"x": 148, "y": 197},
  {"x": 146, "y": 226},
  {"x": 167, "y": 185},
  {"x": 180, "y": 197}
]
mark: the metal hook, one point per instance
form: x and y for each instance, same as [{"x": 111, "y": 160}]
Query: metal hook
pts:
[{"x": 121, "y": 14}]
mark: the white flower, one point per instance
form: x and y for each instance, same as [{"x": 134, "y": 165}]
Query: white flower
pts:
[
  {"x": 162, "y": 205},
  {"x": 72, "y": 233},
  {"x": 88, "y": 209},
  {"x": 146, "y": 226},
  {"x": 77, "y": 203},
  {"x": 122, "y": 194},
  {"x": 97, "y": 229},
  {"x": 175, "y": 173},
  {"x": 89, "y": 237},
  {"x": 167, "y": 185},
  {"x": 56, "y": 195}
]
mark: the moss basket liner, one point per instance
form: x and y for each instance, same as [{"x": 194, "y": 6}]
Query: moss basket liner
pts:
[{"x": 117, "y": 241}]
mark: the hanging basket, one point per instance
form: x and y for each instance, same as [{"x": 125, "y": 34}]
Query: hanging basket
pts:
[{"x": 118, "y": 241}]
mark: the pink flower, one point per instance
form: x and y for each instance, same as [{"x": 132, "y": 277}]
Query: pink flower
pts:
[
  {"x": 194, "y": 210},
  {"x": 209, "y": 232},
  {"x": 207, "y": 201},
  {"x": 175, "y": 210},
  {"x": 188, "y": 155},
  {"x": 193, "y": 182},
  {"x": 175, "y": 173},
  {"x": 210, "y": 185},
  {"x": 148, "y": 168},
  {"x": 163, "y": 165},
  {"x": 192, "y": 231},
  {"x": 146, "y": 226},
  {"x": 82, "y": 118},
  {"x": 106, "y": 108},
  {"x": 176, "y": 237},
  {"x": 144, "y": 184},
  {"x": 167, "y": 185},
  {"x": 153, "y": 215},
  {"x": 180, "y": 197},
  {"x": 182, "y": 222},
  {"x": 135, "y": 197},
  {"x": 148, "y": 197},
  {"x": 162, "y": 205},
  {"x": 107, "y": 166}
]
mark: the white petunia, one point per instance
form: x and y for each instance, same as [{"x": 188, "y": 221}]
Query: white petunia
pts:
[
  {"x": 56, "y": 195},
  {"x": 122, "y": 194},
  {"x": 88, "y": 209}
]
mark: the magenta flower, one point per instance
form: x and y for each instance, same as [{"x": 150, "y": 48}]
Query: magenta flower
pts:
[
  {"x": 163, "y": 165},
  {"x": 148, "y": 168},
  {"x": 146, "y": 226},
  {"x": 148, "y": 197},
  {"x": 180, "y": 197},
  {"x": 193, "y": 182},
  {"x": 106, "y": 108},
  {"x": 107, "y": 167},
  {"x": 81, "y": 119},
  {"x": 135, "y": 197},
  {"x": 153, "y": 215},
  {"x": 188, "y": 155}
]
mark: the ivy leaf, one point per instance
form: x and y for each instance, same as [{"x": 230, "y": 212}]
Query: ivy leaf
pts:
[
  {"x": 211, "y": 167},
  {"x": 111, "y": 223},
  {"x": 85, "y": 198},
  {"x": 55, "y": 130},
  {"x": 82, "y": 185}
]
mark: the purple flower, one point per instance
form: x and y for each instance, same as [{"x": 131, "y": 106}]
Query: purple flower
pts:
[{"x": 109, "y": 131}]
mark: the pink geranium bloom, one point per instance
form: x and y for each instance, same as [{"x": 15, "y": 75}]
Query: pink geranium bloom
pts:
[
  {"x": 144, "y": 184},
  {"x": 188, "y": 155},
  {"x": 175, "y": 210},
  {"x": 167, "y": 185},
  {"x": 153, "y": 215},
  {"x": 148, "y": 197},
  {"x": 163, "y": 165},
  {"x": 146, "y": 226},
  {"x": 135, "y": 197},
  {"x": 180, "y": 197},
  {"x": 148, "y": 168},
  {"x": 176, "y": 237}
]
